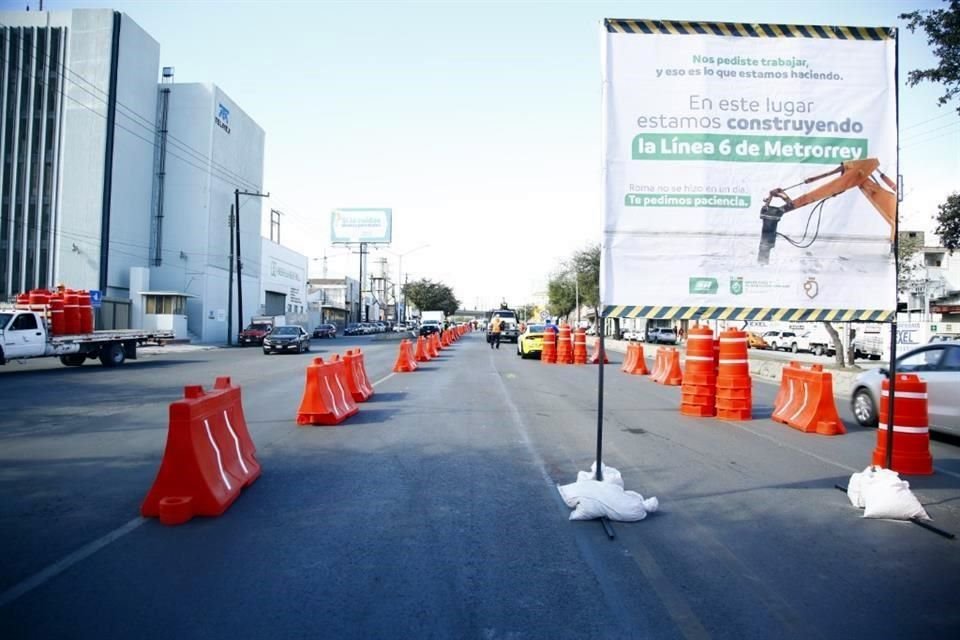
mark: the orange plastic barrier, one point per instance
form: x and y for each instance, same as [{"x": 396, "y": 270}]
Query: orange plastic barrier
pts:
[
  {"x": 698, "y": 394},
  {"x": 208, "y": 459},
  {"x": 357, "y": 381},
  {"x": 805, "y": 400},
  {"x": 635, "y": 363},
  {"x": 669, "y": 372},
  {"x": 580, "y": 346},
  {"x": 432, "y": 346},
  {"x": 657, "y": 363},
  {"x": 595, "y": 354},
  {"x": 734, "y": 386},
  {"x": 405, "y": 362},
  {"x": 421, "y": 355},
  {"x": 445, "y": 338},
  {"x": 548, "y": 353},
  {"x": 326, "y": 400},
  {"x": 564, "y": 347},
  {"x": 911, "y": 427}
]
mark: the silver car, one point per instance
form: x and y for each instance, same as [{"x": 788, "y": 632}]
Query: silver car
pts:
[{"x": 937, "y": 364}]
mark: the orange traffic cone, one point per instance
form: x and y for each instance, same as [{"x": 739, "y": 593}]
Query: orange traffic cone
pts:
[{"x": 422, "y": 355}]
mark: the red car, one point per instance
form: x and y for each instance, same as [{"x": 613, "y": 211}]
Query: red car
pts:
[{"x": 254, "y": 333}]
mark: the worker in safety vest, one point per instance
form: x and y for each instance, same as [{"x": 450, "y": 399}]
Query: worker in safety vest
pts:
[{"x": 494, "y": 331}]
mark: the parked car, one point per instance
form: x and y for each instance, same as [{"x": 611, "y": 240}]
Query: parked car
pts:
[
  {"x": 254, "y": 333},
  {"x": 756, "y": 341},
  {"x": 380, "y": 327},
  {"x": 325, "y": 331},
  {"x": 938, "y": 365},
  {"x": 780, "y": 339},
  {"x": 286, "y": 338},
  {"x": 665, "y": 335},
  {"x": 353, "y": 329},
  {"x": 530, "y": 342},
  {"x": 400, "y": 328},
  {"x": 632, "y": 334},
  {"x": 651, "y": 333}
]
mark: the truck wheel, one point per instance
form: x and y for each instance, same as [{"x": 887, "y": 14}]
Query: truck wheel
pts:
[
  {"x": 112, "y": 355},
  {"x": 794, "y": 347},
  {"x": 74, "y": 360},
  {"x": 818, "y": 350}
]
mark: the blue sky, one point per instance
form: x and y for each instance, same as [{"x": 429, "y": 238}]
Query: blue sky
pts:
[{"x": 478, "y": 123}]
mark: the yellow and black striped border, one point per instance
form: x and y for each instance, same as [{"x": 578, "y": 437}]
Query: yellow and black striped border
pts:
[
  {"x": 744, "y": 30},
  {"x": 748, "y": 313}
]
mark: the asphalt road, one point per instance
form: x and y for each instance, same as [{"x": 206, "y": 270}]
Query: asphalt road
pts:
[{"x": 433, "y": 513}]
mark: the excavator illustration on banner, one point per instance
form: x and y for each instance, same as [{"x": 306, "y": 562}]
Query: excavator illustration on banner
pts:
[{"x": 856, "y": 173}]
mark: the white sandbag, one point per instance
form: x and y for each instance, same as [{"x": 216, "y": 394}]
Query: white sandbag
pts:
[
  {"x": 856, "y": 484},
  {"x": 591, "y": 499},
  {"x": 885, "y": 495}
]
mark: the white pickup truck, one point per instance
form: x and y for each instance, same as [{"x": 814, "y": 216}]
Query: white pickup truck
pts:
[{"x": 25, "y": 334}]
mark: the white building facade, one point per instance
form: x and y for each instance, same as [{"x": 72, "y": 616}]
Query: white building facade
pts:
[
  {"x": 77, "y": 105},
  {"x": 213, "y": 148}
]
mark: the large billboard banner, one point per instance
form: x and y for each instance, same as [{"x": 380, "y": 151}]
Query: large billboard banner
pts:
[
  {"x": 361, "y": 225},
  {"x": 749, "y": 171}
]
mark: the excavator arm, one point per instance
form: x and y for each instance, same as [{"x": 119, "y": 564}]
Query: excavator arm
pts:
[{"x": 856, "y": 173}]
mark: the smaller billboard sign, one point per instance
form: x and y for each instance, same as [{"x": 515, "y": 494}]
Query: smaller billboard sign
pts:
[{"x": 361, "y": 225}]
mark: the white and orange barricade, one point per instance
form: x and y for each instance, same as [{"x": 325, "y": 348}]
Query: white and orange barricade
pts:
[
  {"x": 698, "y": 393},
  {"x": 911, "y": 427},
  {"x": 734, "y": 386}
]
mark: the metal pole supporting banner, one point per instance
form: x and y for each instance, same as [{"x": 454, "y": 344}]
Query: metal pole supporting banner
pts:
[
  {"x": 896, "y": 266},
  {"x": 600, "y": 367}
]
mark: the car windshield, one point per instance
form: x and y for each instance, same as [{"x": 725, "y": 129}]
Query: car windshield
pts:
[
  {"x": 258, "y": 327},
  {"x": 286, "y": 331},
  {"x": 536, "y": 328}
]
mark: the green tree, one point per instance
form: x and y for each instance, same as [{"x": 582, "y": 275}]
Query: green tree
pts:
[
  {"x": 942, "y": 27},
  {"x": 561, "y": 293},
  {"x": 948, "y": 222},
  {"x": 431, "y": 296}
]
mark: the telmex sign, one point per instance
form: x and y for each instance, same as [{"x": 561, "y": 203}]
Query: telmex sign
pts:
[{"x": 361, "y": 225}]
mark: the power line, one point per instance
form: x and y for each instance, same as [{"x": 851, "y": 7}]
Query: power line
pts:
[
  {"x": 146, "y": 124},
  {"x": 62, "y": 92},
  {"x": 917, "y": 124}
]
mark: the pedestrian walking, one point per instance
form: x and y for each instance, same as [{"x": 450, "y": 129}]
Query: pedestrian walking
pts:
[{"x": 495, "y": 323}]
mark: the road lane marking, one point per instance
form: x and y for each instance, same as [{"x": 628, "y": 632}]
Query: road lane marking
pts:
[
  {"x": 385, "y": 378},
  {"x": 38, "y": 579},
  {"x": 673, "y": 600}
]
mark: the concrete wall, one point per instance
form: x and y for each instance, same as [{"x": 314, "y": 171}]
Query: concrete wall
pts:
[
  {"x": 198, "y": 197},
  {"x": 283, "y": 271}
]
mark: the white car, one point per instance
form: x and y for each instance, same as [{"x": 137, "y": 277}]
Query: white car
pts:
[
  {"x": 632, "y": 335},
  {"x": 938, "y": 365}
]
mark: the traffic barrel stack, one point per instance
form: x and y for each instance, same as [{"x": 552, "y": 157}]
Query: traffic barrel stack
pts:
[
  {"x": 698, "y": 394},
  {"x": 405, "y": 362},
  {"x": 548, "y": 353},
  {"x": 805, "y": 400},
  {"x": 580, "y": 346},
  {"x": 421, "y": 355},
  {"x": 734, "y": 386},
  {"x": 325, "y": 397},
  {"x": 564, "y": 347},
  {"x": 595, "y": 354},
  {"x": 209, "y": 456},
  {"x": 357, "y": 381},
  {"x": 911, "y": 427}
]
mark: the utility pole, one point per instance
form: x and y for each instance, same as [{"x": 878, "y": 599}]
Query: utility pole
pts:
[
  {"x": 360, "y": 314},
  {"x": 230, "y": 285},
  {"x": 236, "y": 197}
]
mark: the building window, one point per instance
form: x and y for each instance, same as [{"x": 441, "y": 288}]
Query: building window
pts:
[{"x": 167, "y": 305}]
